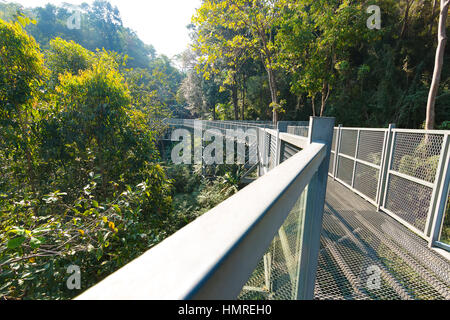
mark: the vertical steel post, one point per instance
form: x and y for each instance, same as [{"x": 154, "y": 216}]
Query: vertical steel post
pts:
[
  {"x": 385, "y": 166},
  {"x": 439, "y": 196},
  {"x": 278, "y": 149},
  {"x": 320, "y": 130},
  {"x": 356, "y": 157},
  {"x": 336, "y": 151}
]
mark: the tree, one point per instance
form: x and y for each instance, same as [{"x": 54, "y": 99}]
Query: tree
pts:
[
  {"x": 442, "y": 40},
  {"x": 21, "y": 75},
  {"x": 63, "y": 56},
  {"x": 253, "y": 24},
  {"x": 316, "y": 39},
  {"x": 222, "y": 53},
  {"x": 94, "y": 106}
]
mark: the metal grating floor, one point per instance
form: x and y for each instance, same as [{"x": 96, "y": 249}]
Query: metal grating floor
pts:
[{"x": 366, "y": 254}]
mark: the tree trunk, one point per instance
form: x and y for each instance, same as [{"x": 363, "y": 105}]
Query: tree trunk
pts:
[
  {"x": 313, "y": 98},
  {"x": 273, "y": 93},
  {"x": 325, "y": 95},
  {"x": 405, "y": 19},
  {"x": 266, "y": 56},
  {"x": 243, "y": 98},
  {"x": 432, "y": 18},
  {"x": 442, "y": 40},
  {"x": 234, "y": 93}
]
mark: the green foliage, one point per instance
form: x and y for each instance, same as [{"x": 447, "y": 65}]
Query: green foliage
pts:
[
  {"x": 321, "y": 53},
  {"x": 101, "y": 27},
  {"x": 195, "y": 195},
  {"x": 421, "y": 162},
  {"x": 80, "y": 184},
  {"x": 44, "y": 236},
  {"x": 63, "y": 56},
  {"x": 21, "y": 67}
]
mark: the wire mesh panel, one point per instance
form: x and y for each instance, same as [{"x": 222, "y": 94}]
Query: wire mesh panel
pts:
[
  {"x": 366, "y": 180},
  {"x": 370, "y": 146},
  {"x": 345, "y": 170},
  {"x": 276, "y": 275},
  {"x": 417, "y": 154},
  {"x": 415, "y": 158},
  {"x": 368, "y": 162},
  {"x": 408, "y": 200},
  {"x": 264, "y": 149},
  {"x": 348, "y": 142},
  {"x": 302, "y": 131}
]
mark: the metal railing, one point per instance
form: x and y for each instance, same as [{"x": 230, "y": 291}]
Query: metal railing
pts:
[
  {"x": 405, "y": 173},
  {"x": 270, "y": 230}
]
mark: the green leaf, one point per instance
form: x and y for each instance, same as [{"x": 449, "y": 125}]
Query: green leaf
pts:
[
  {"x": 35, "y": 243},
  {"x": 16, "y": 242},
  {"x": 99, "y": 254}
]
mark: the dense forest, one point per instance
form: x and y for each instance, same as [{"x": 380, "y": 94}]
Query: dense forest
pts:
[
  {"x": 83, "y": 181},
  {"x": 303, "y": 58},
  {"x": 82, "y": 178}
]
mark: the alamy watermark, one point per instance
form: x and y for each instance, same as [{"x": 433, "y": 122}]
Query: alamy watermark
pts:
[
  {"x": 374, "y": 277},
  {"x": 374, "y": 21},
  {"x": 74, "y": 21},
  {"x": 74, "y": 280}
]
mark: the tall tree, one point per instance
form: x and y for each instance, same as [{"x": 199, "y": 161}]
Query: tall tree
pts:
[
  {"x": 253, "y": 23},
  {"x": 442, "y": 40},
  {"x": 314, "y": 44},
  {"x": 21, "y": 75}
]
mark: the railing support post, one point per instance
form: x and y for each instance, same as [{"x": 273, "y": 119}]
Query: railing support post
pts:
[
  {"x": 336, "y": 150},
  {"x": 320, "y": 130},
  {"x": 358, "y": 135},
  {"x": 278, "y": 149},
  {"x": 440, "y": 192},
  {"x": 385, "y": 166}
]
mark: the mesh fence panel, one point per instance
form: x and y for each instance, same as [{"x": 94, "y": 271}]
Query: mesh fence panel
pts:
[
  {"x": 302, "y": 131},
  {"x": 445, "y": 229},
  {"x": 417, "y": 154},
  {"x": 276, "y": 275},
  {"x": 366, "y": 180},
  {"x": 370, "y": 146},
  {"x": 408, "y": 200},
  {"x": 348, "y": 142},
  {"x": 345, "y": 169}
]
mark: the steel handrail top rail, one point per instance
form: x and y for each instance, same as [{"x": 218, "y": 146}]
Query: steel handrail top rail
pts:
[
  {"x": 214, "y": 256},
  {"x": 218, "y": 124}
]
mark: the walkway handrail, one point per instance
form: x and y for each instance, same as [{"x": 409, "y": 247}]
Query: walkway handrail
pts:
[
  {"x": 214, "y": 256},
  {"x": 403, "y": 172}
]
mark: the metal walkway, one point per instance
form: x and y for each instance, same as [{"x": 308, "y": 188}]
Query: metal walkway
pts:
[{"x": 360, "y": 245}]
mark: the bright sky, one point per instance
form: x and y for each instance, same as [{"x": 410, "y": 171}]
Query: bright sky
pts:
[{"x": 161, "y": 23}]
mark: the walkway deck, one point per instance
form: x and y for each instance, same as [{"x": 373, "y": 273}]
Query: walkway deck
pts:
[{"x": 358, "y": 242}]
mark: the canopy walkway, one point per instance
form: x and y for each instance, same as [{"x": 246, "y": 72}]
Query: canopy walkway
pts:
[{"x": 336, "y": 213}]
